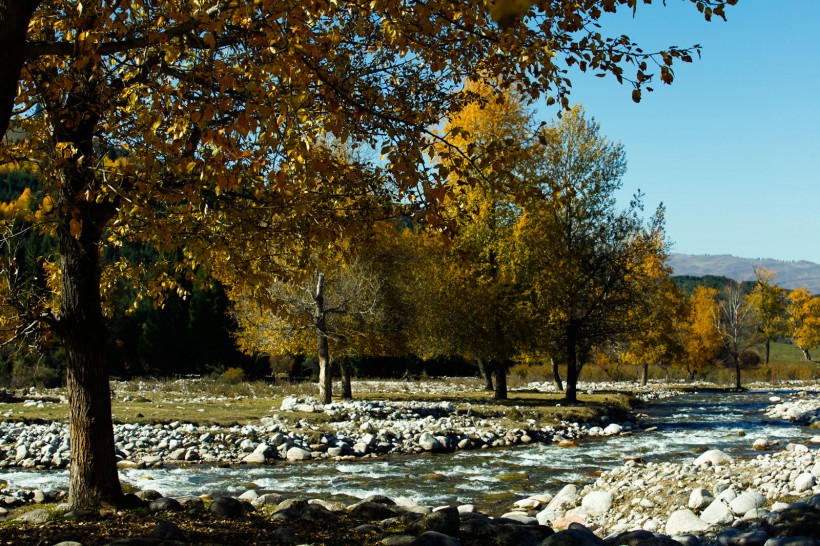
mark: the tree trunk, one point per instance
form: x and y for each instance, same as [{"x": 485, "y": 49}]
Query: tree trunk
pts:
[
  {"x": 556, "y": 375},
  {"x": 806, "y": 354},
  {"x": 322, "y": 350},
  {"x": 644, "y": 374},
  {"x": 346, "y": 369},
  {"x": 14, "y": 20},
  {"x": 572, "y": 367},
  {"x": 487, "y": 373},
  {"x": 93, "y": 475},
  {"x": 500, "y": 370},
  {"x": 93, "y": 478},
  {"x": 768, "y": 350}
]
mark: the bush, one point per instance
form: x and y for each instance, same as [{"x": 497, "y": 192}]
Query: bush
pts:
[{"x": 232, "y": 376}]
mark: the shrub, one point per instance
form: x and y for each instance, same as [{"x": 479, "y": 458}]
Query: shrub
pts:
[{"x": 232, "y": 376}]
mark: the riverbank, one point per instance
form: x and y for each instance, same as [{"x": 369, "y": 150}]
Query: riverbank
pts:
[
  {"x": 641, "y": 494},
  {"x": 389, "y": 418},
  {"x": 713, "y": 500}
]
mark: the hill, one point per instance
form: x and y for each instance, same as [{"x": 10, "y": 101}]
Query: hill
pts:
[{"x": 789, "y": 274}]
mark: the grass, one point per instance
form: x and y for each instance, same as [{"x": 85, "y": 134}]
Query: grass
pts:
[{"x": 207, "y": 402}]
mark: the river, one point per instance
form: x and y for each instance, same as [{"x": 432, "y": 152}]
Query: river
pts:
[{"x": 491, "y": 478}]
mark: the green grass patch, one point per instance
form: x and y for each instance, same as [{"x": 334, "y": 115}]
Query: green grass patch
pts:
[{"x": 204, "y": 403}]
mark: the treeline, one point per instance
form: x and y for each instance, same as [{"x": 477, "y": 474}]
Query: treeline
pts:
[{"x": 499, "y": 277}]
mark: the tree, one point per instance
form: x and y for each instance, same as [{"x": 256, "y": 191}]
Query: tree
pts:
[
  {"x": 804, "y": 320},
  {"x": 217, "y": 109},
  {"x": 736, "y": 324},
  {"x": 656, "y": 338},
  {"x": 584, "y": 258},
  {"x": 327, "y": 312},
  {"x": 702, "y": 337},
  {"x": 770, "y": 304}
]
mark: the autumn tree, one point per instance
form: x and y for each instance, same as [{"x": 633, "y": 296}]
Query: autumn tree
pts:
[
  {"x": 736, "y": 324},
  {"x": 583, "y": 256},
  {"x": 702, "y": 336},
  {"x": 656, "y": 336},
  {"x": 769, "y": 303},
  {"x": 330, "y": 313},
  {"x": 804, "y": 320},
  {"x": 217, "y": 108},
  {"x": 482, "y": 211}
]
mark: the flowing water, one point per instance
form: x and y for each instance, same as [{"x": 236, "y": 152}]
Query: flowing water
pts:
[{"x": 687, "y": 425}]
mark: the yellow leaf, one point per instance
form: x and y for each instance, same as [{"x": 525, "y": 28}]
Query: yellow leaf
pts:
[{"x": 75, "y": 227}]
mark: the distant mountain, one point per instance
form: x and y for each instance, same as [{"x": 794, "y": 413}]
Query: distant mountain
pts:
[{"x": 789, "y": 274}]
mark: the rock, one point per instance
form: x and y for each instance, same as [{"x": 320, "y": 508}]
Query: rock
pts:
[
  {"x": 630, "y": 538},
  {"x": 250, "y": 495},
  {"x": 148, "y": 494},
  {"x": 318, "y": 514},
  {"x": 700, "y": 498},
  {"x": 576, "y": 535},
  {"x": 398, "y": 540},
  {"x": 613, "y": 429},
  {"x": 268, "y": 499},
  {"x": 169, "y": 530},
  {"x": 804, "y": 482},
  {"x": 68, "y": 543},
  {"x": 567, "y": 497},
  {"x": 298, "y": 454},
  {"x": 746, "y": 501},
  {"x": 483, "y": 531},
  {"x": 755, "y": 513},
  {"x": 520, "y": 517},
  {"x": 688, "y": 540},
  {"x": 227, "y": 507},
  {"x": 717, "y": 513},
  {"x": 527, "y": 504},
  {"x": 727, "y": 495},
  {"x": 191, "y": 502},
  {"x": 165, "y": 504},
  {"x": 428, "y": 442},
  {"x": 597, "y": 503},
  {"x": 713, "y": 457},
  {"x": 37, "y": 517},
  {"x": 792, "y": 541},
  {"x": 682, "y": 522},
  {"x": 736, "y": 537},
  {"x": 433, "y": 538},
  {"x": 372, "y": 511},
  {"x": 255, "y": 458},
  {"x": 760, "y": 444},
  {"x": 444, "y": 521}
]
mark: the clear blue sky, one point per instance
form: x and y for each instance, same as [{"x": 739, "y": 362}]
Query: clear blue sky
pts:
[{"x": 732, "y": 147}]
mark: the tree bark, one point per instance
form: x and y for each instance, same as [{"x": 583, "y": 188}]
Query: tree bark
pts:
[
  {"x": 644, "y": 374},
  {"x": 346, "y": 369},
  {"x": 768, "y": 350},
  {"x": 93, "y": 475},
  {"x": 487, "y": 373},
  {"x": 500, "y": 370},
  {"x": 322, "y": 350},
  {"x": 556, "y": 375},
  {"x": 14, "y": 20},
  {"x": 806, "y": 354}
]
